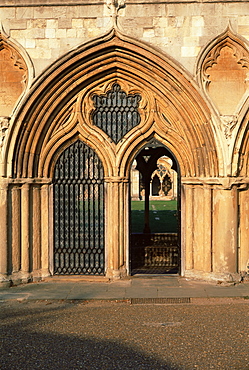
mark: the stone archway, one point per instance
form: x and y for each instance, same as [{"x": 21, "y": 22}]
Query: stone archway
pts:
[
  {"x": 63, "y": 107},
  {"x": 78, "y": 212},
  {"x": 155, "y": 247}
]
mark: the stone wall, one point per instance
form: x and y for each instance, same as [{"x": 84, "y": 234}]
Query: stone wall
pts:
[
  {"x": 59, "y": 54},
  {"x": 179, "y": 28}
]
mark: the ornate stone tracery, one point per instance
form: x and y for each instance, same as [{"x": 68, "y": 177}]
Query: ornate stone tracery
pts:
[
  {"x": 59, "y": 111},
  {"x": 224, "y": 66},
  {"x": 116, "y": 113},
  {"x": 114, "y": 108},
  {"x": 13, "y": 74}
]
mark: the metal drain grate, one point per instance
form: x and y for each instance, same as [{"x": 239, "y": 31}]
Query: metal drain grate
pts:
[{"x": 159, "y": 300}]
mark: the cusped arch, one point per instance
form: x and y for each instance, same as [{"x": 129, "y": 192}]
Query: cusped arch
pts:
[
  {"x": 64, "y": 143},
  {"x": 240, "y": 158},
  {"x": 223, "y": 65},
  {"x": 59, "y": 105},
  {"x": 154, "y": 140},
  {"x": 16, "y": 72}
]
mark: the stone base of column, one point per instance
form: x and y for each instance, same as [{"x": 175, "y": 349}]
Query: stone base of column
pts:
[
  {"x": 20, "y": 277},
  {"x": 116, "y": 274},
  {"x": 39, "y": 275},
  {"x": 213, "y": 276},
  {"x": 5, "y": 282}
]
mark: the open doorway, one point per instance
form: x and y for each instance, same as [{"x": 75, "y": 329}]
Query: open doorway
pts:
[{"x": 155, "y": 211}]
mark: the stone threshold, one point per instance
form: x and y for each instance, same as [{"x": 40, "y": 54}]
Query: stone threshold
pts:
[{"x": 76, "y": 278}]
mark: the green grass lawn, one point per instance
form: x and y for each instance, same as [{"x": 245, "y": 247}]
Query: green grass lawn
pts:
[{"x": 162, "y": 216}]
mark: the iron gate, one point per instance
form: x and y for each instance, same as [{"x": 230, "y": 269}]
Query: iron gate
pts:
[
  {"x": 78, "y": 212},
  {"x": 155, "y": 253}
]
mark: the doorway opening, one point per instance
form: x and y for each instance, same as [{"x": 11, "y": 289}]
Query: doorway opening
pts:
[
  {"x": 78, "y": 184},
  {"x": 155, "y": 209}
]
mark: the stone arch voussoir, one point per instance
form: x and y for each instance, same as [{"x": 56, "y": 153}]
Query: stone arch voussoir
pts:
[{"x": 173, "y": 110}]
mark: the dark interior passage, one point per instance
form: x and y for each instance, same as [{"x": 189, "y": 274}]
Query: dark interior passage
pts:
[{"x": 155, "y": 214}]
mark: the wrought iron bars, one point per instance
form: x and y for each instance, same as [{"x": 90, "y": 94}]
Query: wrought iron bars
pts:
[
  {"x": 116, "y": 113},
  {"x": 78, "y": 212}
]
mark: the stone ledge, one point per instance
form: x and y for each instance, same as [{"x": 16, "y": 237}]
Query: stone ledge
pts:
[{"x": 76, "y": 279}]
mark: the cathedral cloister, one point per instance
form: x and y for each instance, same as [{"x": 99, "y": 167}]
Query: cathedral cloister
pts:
[{"x": 111, "y": 102}]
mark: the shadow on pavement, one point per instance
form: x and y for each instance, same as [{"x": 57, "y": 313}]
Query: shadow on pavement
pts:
[{"x": 30, "y": 340}]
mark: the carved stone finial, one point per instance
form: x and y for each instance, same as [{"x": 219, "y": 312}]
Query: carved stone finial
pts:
[
  {"x": 4, "y": 125},
  {"x": 114, "y": 6}
]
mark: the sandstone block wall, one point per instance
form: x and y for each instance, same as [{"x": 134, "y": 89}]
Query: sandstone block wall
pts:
[
  {"x": 171, "y": 52},
  {"x": 178, "y": 28}
]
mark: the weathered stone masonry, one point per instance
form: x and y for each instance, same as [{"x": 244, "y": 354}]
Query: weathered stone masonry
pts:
[{"x": 189, "y": 61}]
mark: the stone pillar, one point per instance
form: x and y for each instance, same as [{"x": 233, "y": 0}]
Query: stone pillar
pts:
[
  {"x": 244, "y": 230},
  {"x": 25, "y": 232},
  {"x": 45, "y": 230},
  {"x": 202, "y": 225},
  {"x": 36, "y": 223},
  {"x": 187, "y": 226},
  {"x": 4, "y": 233},
  {"x": 146, "y": 229},
  {"x": 135, "y": 184},
  {"x": 207, "y": 228},
  {"x": 225, "y": 229},
  {"x": 16, "y": 229},
  {"x": 116, "y": 226},
  {"x": 174, "y": 184}
]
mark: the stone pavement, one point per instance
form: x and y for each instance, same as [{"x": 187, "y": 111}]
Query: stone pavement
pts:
[{"x": 154, "y": 289}]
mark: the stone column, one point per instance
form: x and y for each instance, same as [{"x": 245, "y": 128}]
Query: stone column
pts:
[
  {"x": 45, "y": 230},
  {"x": 244, "y": 230},
  {"x": 4, "y": 233},
  {"x": 36, "y": 223},
  {"x": 225, "y": 229},
  {"x": 207, "y": 228},
  {"x": 116, "y": 226},
  {"x": 135, "y": 184},
  {"x": 202, "y": 223},
  {"x": 187, "y": 226},
  {"x": 197, "y": 228},
  {"x": 16, "y": 229},
  {"x": 25, "y": 233},
  {"x": 146, "y": 229}
]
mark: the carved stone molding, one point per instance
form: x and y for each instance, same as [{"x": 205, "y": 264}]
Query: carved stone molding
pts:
[
  {"x": 224, "y": 66},
  {"x": 225, "y": 183},
  {"x": 4, "y": 125},
  {"x": 115, "y": 108},
  {"x": 13, "y": 74},
  {"x": 229, "y": 123},
  {"x": 114, "y": 6},
  {"x": 171, "y": 110},
  {"x": 116, "y": 179}
]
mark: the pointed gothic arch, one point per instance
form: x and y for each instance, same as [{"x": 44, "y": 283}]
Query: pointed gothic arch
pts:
[
  {"x": 16, "y": 71},
  {"x": 55, "y": 109},
  {"x": 240, "y": 158},
  {"x": 223, "y": 65},
  {"x": 63, "y": 107}
]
